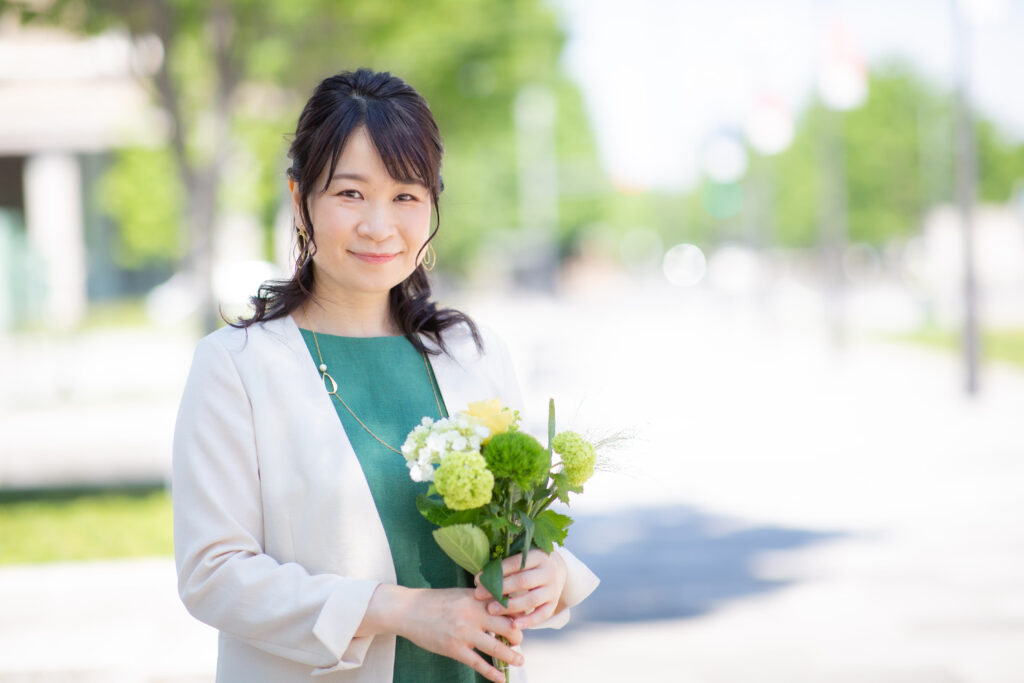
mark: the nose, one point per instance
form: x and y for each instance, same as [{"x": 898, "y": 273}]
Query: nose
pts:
[{"x": 377, "y": 223}]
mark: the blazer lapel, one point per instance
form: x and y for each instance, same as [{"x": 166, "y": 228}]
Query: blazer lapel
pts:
[{"x": 366, "y": 525}]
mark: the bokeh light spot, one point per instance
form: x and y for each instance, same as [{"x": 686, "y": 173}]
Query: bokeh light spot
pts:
[
  {"x": 684, "y": 265},
  {"x": 722, "y": 200}
]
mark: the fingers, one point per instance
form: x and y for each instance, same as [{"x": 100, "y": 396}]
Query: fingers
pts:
[
  {"x": 526, "y": 604},
  {"x": 523, "y": 603},
  {"x": 511, "y": 565},
  {"x": 490, "y": 645},
  {"x": 450, "y": 622},
  {"x": 533, "y": 593},
  {"x": 526, "y": 580},
  {"x": 504, "y": 626},
  {"x": 537, "y": 616},
  {"x": 480, "y": 665},
  {"x": 480, "y": 593},
  {"x": 536, "y": 573}
]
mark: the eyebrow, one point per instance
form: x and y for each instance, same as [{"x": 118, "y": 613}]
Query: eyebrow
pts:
[
  {"x": 355, "y": 176},
  {"x": 349, "y": 176}
]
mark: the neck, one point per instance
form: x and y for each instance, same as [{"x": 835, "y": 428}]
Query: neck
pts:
[{"x": 354, "y": 316}]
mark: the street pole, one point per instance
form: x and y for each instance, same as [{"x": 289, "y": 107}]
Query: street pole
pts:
[
  {"x": 535, "y": 115},
  {"x": 966, "y": 178},
  {"x": 843, "y": 85},
  {"x": 834, "y": 223}
]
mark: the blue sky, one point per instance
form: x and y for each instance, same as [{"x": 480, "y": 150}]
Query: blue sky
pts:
[{"x": 659, "y": 76}]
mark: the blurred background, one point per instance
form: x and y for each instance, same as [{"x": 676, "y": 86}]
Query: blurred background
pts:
[{"x": 780, "y": 245}]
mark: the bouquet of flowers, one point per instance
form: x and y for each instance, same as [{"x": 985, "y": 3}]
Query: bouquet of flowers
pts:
[{"x": 492, "y": 486}]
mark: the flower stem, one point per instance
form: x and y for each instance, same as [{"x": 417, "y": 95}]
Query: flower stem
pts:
[
  {"x": 545, "y": 504},
  {"x": 500, "y": 664}
]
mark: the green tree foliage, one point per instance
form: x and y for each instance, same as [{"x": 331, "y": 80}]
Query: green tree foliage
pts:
[
  {"x": 142, "y": 190},
  {"x": 1000, "y": 163},
  {"x": 238, "y": 71},
  {"x": 899, "y": 161},
  {"x": 898, "y": 151}
]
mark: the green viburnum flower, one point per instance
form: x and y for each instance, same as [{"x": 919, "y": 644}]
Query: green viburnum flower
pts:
[
  {"x": 464, "y": 481},
  {"x": 578, "y": 457},
  {"x": 519, "y": 457}
]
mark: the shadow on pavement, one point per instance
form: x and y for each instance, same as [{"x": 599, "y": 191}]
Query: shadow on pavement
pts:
[{"x": 672, "y": 563}]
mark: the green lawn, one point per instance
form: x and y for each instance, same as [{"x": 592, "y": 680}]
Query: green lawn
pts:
[
  {"x": 79, "y": 524},
  {"x": 1006, "y": 345},
  {"x": 100, "y": 315},
  {"x": 116, "y": 313}
]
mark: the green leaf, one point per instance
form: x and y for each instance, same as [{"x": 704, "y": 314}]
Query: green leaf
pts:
[
  {"x": 494, "y": 527},
  {"x": 492, "y": 578},
  {"x": 437, "y": 513},
  {"x": 433, "y": 509},
  {"x": 517, "y": 545},
  {"x": 498, "y": 523},
  {"x": 551, "y": 423},
  {"x": 528, "y": 527},
  {"x": 562, "y": 487},
  {"x": 465, "y": 544},
  {"x": 550, "y": 528}
]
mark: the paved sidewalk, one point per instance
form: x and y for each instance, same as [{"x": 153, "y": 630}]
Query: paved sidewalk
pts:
[
  {"x": 787, "y": 513},
  {"x": 100, "y": 622},
  {"x": 97, "y": 408}
]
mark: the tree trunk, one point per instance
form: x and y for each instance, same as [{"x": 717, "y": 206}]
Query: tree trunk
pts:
[{"x": 201, "y": 180}]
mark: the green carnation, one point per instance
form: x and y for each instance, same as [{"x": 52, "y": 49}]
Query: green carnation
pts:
[
  {"x": 464, "y": 481},
  {"x": 519, "y": 457},
  {"x": 578, "y": 457}
]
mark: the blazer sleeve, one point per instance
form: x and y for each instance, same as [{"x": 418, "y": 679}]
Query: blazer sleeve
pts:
[
  {"x": 580, "y": 581},
  {"x": 224, "y": 577}
]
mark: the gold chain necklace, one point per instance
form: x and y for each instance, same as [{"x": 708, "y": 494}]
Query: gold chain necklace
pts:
[{"x": 333, "y": 391}]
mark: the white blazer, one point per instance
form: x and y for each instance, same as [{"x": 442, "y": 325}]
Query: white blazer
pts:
[{"x": 277, "y": 540}]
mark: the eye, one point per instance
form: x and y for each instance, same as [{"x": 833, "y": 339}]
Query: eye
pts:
[
  {"x": 350, "y": 194},
  {"x": 406, "y": 197}
]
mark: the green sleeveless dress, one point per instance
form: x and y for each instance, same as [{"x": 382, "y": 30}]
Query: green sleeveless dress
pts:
[{"x": 386, "y": 383}]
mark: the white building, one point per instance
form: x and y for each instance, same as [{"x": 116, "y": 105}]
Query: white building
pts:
[
  {"x": 65, "y": 101},
  {"x": 936, "y": 260}
]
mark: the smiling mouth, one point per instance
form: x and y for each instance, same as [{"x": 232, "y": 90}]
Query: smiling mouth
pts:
[{"x": 373, "y": 258}]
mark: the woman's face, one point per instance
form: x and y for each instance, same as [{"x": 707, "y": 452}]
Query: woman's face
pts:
[{"x": 368, "y": 226}]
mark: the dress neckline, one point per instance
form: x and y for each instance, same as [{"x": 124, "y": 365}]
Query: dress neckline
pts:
[{"x": 346, "y": 338}]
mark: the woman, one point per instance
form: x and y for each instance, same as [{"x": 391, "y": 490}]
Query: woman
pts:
[{"x": 296, "y": 531}]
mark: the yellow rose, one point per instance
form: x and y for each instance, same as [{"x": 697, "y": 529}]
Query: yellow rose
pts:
[{"x": 492, "y": 415}]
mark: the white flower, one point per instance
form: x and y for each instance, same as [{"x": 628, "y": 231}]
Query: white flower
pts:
[
  {"x": 432, "y": 440},
  {"x": 435, "y": 442},
  {"x": 419, "y": 473}
]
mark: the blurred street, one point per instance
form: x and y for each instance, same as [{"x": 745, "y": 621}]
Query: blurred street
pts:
[
  {"x": 744, "y": 248},
  {"x": 785, "y": 511}
]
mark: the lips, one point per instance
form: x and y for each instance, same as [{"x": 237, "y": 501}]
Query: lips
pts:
[{"x": 373, "y": 258}]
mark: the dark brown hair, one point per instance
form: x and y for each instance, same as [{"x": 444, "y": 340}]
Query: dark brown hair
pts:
[{"x": 406, "y": 136}]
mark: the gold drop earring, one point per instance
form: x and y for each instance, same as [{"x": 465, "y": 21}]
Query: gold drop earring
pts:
[
  {"x": 430, "y": 258},
  {"x": 305, "y": 253}
]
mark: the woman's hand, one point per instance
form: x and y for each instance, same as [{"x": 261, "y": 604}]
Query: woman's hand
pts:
[
  {"x": 534, "y": 592},
  {"x": 448, "y": 621}
]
